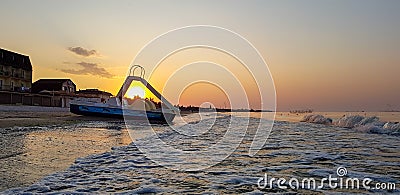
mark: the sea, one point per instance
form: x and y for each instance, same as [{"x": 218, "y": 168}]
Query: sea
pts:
[{"x": 209, "y": 153}]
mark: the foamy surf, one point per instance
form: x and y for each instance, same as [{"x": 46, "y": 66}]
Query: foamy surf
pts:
[{"x": 366, "y": 124}]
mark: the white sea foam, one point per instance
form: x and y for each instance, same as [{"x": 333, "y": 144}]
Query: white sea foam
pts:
[
  {"x": 348, "y": 121},
  {"x": 392, "y": 126},
  {"x": 316, "y": 118},
  {"x": 365, "y": 124}
]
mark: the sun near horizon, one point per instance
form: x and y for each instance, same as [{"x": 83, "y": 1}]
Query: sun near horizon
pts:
[{"x": 319, "y": 59}]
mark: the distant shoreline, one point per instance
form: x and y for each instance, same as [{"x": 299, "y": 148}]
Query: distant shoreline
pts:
[{"x": 26, "y": 116}]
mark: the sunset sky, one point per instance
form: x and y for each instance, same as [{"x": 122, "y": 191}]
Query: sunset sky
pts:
[{"x": 326, "y": 55}]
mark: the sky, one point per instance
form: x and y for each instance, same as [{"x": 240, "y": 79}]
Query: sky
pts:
[{"x": 338, "y": 55}]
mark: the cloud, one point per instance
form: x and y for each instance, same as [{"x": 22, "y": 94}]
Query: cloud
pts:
[
  {"x": 89, "y": 69},
  {"x": 83, "y": 52}
]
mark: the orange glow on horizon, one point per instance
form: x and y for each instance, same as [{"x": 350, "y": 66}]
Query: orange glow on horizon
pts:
[{"x": 200, "y": 93}]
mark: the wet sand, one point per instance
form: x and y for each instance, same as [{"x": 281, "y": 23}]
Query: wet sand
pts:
[
  {"x": 28, "y": 116},
  {"x": 35, "y": 142}
]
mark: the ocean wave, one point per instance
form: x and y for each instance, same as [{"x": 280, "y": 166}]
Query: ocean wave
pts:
[
  {"x": 365, "y": 124},
  {"x": 316, "y": 118}
]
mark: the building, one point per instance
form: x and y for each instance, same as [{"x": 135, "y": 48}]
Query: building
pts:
[
  {"x": 61, "y": 90},
  {"x": 94, "y": 93},
  {"x": 65, "y": 86},
  {"x": 15, "y": 71}
]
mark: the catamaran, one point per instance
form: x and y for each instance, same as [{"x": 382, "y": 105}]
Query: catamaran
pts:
[{"x": 118, "y": 107}]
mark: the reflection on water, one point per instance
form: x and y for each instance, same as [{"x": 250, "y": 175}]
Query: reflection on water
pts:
[
  {"x": 297, "y": 150},
  {"x": 35, "y": 154}
]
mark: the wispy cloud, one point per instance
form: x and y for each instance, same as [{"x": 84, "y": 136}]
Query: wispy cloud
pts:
[
  {"x": 89, "y": 69},
  {"x": 83, "y": 52}
]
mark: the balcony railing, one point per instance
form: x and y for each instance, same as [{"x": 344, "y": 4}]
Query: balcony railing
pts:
[
  {"x": 6, "y": 87},
  {"x": 16, "y": 75},
  {"x": 13, "y": 88}
]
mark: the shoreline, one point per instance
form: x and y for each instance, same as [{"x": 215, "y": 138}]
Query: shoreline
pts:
[
  {"x": 28, "y": 155},
  {"x": 127, "y": 170},
  {"x": 38, "y": 141},
  {"x": 28, "y": 116}
]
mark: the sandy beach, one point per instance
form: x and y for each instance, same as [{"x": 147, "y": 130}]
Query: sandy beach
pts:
[{"x": 27, "y": 116}]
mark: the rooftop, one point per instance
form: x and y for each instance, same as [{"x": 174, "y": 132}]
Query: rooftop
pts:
[
  {"x": 16, "y": 60},
  {"x": 49, "y": 84},
  {"x": 93, "y": 91}
]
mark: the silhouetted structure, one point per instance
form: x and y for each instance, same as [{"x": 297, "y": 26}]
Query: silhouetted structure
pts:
[
  {"x": 94, "y": 93},
  {"x": 61, "y": 90},
  {"x": 54, "y": 85},
  {"x": 301, "y": 111}
]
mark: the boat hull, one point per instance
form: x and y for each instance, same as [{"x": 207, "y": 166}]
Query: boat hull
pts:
[{"x": 151, "y": 116}]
